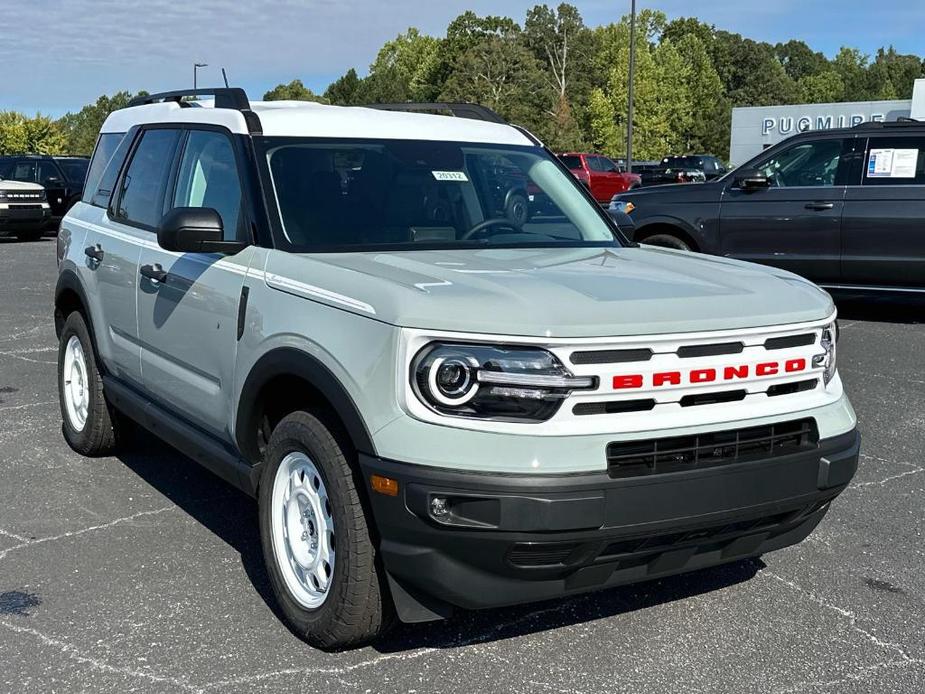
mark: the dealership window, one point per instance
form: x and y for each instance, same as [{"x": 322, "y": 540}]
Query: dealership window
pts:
[
  {"x": 895, "y": 161},
  {"x": 806, "y": 164}
]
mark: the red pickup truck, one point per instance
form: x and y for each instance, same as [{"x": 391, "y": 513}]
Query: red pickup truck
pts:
[{"x": 601, "y": 175}]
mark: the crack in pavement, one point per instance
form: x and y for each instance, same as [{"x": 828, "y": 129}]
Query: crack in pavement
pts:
[
  {"x": 14, "y": 536},
  {"x": 73, "y": 533},
  {"x": 879, "y": 483},
  {"x": 75, "y": 654},
  {"x": 858, "y": 675},
  {"x": 27, "y": 405},
  {"x": 461, "y": 643},
  {"x": 847, "y": 614}
]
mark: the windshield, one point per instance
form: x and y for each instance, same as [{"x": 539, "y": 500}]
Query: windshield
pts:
[
  {"x": 75, "y": 169},
  {"x": 403, "y": 194}
]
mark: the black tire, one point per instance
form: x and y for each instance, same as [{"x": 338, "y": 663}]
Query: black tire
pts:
[
  {"x": 667, "y": 241},
  {"x": 31, "y": 235},
  {"x": 99, "y": 434},
  {"x": 357, "y": 608},
  {"x": 517, "y": 209}
]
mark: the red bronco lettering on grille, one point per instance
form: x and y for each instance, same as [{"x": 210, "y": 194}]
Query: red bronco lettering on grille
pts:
[{"x": 711, "y": 375}]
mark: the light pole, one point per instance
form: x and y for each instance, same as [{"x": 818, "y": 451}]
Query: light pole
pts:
[
  {"x": 196, "y": 67},
  {"x": 632, "y": 75}
]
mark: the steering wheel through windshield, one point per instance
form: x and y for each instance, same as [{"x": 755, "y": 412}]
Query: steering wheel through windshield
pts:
[{"x": 502, "y": 222}]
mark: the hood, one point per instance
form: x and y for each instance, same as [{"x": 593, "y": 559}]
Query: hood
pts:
[
  {"x": 681, "y": 191},
  {"x": 587, "y": 292},
  {"x": 19, "y": 185}
]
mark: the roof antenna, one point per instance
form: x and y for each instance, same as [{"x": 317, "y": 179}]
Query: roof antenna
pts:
[{"x": 225, "y": 77}]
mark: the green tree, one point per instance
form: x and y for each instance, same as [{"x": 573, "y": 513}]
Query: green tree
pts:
[
  {"x": 40, "y": 134},
  {"x": 501, "y": 73},
  {"x": 560, "y": 40},
  {"x": 901, "y": 70},
  {"x": 852, "y": 66},
  {"x": 799, "y": 60},
  {"x": 82, "y": 128},
  {"x": 663, "y": 103},
  {"x": 464, "y": 33},
  {"x": 825, "y": 87},
  {"x": 294, "y": 91},
  {"x": 711, "y": 112},
  {"x": 405, "y": 69},
  {"x": 345, "y": 91}
]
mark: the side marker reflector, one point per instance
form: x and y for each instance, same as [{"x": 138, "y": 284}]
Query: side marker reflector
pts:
[{"x": 384, "y": 485}]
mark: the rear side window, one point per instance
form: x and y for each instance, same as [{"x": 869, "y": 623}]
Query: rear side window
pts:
[
  {"x": 895, "y": 161},
  {"x": 106, "y": 146},
  {"x": 571, "y": 161},
  {"x": 140, "y": 199}
]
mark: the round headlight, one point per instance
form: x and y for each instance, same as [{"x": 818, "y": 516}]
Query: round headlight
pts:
[
  {"x": 493, "y": 382},
  {"x": 451, "y": 380}
]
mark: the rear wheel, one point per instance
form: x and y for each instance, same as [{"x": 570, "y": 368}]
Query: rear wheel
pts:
[
  {"x": 317, "y": 545},
  {"x": 667, "y": 241}
]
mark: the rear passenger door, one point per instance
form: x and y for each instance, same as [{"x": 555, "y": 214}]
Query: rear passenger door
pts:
[
  {"x": 188, "y": 320},
  {"x": 883, "y": 226}
]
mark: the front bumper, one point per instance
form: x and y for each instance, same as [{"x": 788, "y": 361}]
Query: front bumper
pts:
[
  {"x": 24, "y": 217},
  {"x": 517, "y": 538}
]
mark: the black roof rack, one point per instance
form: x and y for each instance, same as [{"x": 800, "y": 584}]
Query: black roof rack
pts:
[
  {"x": 901, "y": 122},
  {"x": 460, "y": 110},
  {"x": 233, "y": 98}
]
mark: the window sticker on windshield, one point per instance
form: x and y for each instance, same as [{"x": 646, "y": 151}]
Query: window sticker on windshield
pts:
[
  {"x": 458, "y": 176},
  {"x": 892, "y": 163}
]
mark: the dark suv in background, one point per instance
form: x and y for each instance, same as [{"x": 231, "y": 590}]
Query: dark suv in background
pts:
[
  {"x": 844, "y": 208},
  {"x": 62, "y": 178}
]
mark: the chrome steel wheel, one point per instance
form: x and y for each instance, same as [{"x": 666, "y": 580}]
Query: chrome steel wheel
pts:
[
  {"x": 303, "y": 530},
  {"x": 76, "y": 384}
]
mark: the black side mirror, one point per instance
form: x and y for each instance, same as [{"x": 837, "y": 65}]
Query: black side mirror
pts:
[
  {"x": 195, "y": 230},
  {"x": 752, "y": 179}
]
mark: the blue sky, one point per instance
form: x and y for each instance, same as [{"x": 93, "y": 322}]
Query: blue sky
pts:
[{"x": 57, "y": 55}]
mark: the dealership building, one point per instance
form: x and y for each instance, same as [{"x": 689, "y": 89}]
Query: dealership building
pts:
[{"x": 756, "y": 128}]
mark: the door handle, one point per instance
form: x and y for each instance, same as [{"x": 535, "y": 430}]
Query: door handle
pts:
[
  {"x": 94, "y": 252},
  {"x": 155, "y": 273},
  {"x": 820, "y": 206}
]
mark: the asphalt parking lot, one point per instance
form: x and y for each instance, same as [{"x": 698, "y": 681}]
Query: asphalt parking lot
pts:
[{"x": 143, "y": 573}]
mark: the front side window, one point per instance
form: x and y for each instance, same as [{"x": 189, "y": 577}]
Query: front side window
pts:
[
  {"x": 571, "y": 161},
  {"x": 209, "y": 178},
  {"x": 895, "y": 161},
  {"x": 48, "y": 173},
  {"x": 75, "y": 170},
  {"x": 141, "y": 195},
  {"x": 807, "y": 164},
  {"x": 409, "y": 194}
]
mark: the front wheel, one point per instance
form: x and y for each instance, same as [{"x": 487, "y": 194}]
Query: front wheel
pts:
[
  {"x": 667, "y": 241},
  {"x": 89, "y": 423},
  {"x": 317, "y": 546},
  {"x": 31, "y": 235}
]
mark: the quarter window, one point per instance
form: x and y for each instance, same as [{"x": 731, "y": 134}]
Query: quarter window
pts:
[
  {"x": 895, "y": 161},
  {"x": 140, "y": 199},
  {"x": 104, "y": 169},
  {"x": 209, "y": 178},
  {"x": 807, "y": 164}
]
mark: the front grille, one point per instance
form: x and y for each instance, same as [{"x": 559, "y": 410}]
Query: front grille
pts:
[
  {"x": 532, "y": 554},
  {"x": 790, "y": 341},
  {"x": 678, "y": 453},
  {"x": 610, "y": 356},
  {"x": 26, "y": 207},
  {"x": 710, "y": 350}
]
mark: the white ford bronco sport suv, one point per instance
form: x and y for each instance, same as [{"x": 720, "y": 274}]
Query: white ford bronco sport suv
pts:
[{"x": 438, "y": 403}]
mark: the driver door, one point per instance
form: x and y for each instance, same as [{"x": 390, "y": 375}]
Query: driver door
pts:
[{"x": 795, "y": 223}]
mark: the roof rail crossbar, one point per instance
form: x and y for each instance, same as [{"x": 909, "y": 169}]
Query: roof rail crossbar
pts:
[
  {"x": 460, "y": 110},
  {"x": 233, "y": 98}
]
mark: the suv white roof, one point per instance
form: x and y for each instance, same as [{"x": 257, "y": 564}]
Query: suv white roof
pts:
[{"x": 308, "y": 119}]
